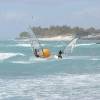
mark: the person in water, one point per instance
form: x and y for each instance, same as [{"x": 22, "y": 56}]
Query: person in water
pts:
[
  {"x": 60, "y": 54},
  {"x": 36, "y": 53}
]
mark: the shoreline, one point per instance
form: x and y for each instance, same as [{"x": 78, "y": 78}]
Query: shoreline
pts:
[
  {"x": 56, "y": 38},
  {"x": 61, "y": 38}
]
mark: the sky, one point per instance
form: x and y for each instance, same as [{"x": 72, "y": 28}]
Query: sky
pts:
[{"x": 17, "y": 15}]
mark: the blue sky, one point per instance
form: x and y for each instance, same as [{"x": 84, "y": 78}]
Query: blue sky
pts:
[{"x": 16, "y": 15}]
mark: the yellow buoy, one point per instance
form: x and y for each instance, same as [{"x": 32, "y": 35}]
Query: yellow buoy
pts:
[{"x": 45, "y": 53}]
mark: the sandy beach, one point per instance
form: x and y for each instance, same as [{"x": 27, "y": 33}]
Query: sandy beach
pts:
[{"x": 57, "y": 38}]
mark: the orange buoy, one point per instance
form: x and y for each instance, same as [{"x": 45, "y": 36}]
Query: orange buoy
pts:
[{"x": 45, "y": 53}]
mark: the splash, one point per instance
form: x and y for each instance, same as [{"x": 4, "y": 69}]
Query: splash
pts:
[{"x": 4, "y": 56}]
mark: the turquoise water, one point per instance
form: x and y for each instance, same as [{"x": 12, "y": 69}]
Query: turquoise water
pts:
[{"x": 24, "y": 77}]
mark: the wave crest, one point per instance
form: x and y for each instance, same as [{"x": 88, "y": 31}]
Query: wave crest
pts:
[{"x": 4, "y": 56}]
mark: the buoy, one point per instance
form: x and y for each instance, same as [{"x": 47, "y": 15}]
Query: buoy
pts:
[{"x": 45, "y": 53}]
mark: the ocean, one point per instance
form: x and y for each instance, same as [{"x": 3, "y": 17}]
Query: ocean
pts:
[{"x": 24, "y": 77}]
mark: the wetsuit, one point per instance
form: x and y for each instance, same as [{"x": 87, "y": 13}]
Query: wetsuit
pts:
[
  {"x": 60, "y": 54},
  {"x": 36, "y": 53}
]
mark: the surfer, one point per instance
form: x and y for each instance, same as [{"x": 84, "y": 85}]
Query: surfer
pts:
[
  {"x": 36, "y": 53},
  {"x": 37, "y": 48},
  {"x": 45, "y": 53},
  {"x": 60, "y": 54}
]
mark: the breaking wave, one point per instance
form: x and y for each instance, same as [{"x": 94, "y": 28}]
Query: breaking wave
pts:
[{"x": 4, "y": 56}]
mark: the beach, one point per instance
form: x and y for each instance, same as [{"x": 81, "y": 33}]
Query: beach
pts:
[{"x": 56, "y": 38}]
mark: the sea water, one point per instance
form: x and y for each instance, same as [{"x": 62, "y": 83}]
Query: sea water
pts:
[{"x": 24, "y": 77}]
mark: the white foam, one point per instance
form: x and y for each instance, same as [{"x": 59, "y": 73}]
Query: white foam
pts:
[
  {"x": 59, "y": 46},
  {"x": 24, "y": 45},
  {"x": 84, "y": 44},
  {"x": 22, "y": 62},
  {"x": 31, "y": 60},
  {"x": 43, "y": 44},
  {"x": 77, "y": 57},
  {"x": 54, "y": 58},
  {"x": 34, "y": 59},
  {"x": 52, "y": 87},
  {"x": 95, "y": 58},
  {"x": 4, "y": 56}
]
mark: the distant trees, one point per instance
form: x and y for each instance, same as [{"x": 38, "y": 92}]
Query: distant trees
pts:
[
  {"x": 51, "y": 31},
  {"x": 60, "y": 30},
  {"x": 24, "y": 35}
]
